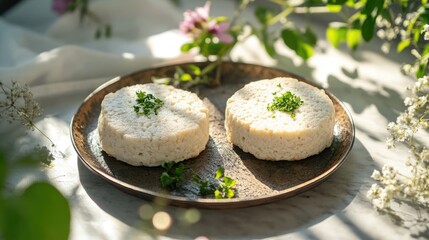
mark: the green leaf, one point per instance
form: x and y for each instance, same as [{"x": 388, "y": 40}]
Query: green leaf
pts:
[
  {"x": 368, "y": 27},
  {"x": 211, "y": 48},
  {"x": 263, "y": 14},
  {"x": 290, "y": 39},
  {"x": 310, "y": 36},
  {"x": 421, "y": 71},
  {"x": 229, "y": 182},
  {"x": 40, "y": 213},
  {"x": 425, "y": 17},
  {"x": 425, "y": 51},
  {"x": 336, "y": 33},
  {"x": 334, "y": 8},
  {"x": 416, "y": 35},
  {"x": 404, "y": 5},
  {"x": 166, "y": 180},
  {"x": 186, "y": 77},
  {"x": 386, "y": 15},
  {"x": 230, "y": 193},
  {"x": 369, "y": 7},
  {"x": 380, "y": 6},
  {"x": 220, "y": 171},
  {"x": 403, "y": 44},
  {"x": 194, "y": 69},
  {"x": 221, "y": 19},
  {"x": 295, "y": 41},
  {"x": 187, "y": 47},
  {"x": 218, "y": 194},
  {"x": 305, "y": 51},
  {"x": 353, "y": 38},
  {"x": 351, "y": 3}
]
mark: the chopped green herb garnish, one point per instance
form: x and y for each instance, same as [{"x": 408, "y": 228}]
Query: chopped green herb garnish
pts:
[
  {"x": 205, "y": 187},
  {"x": 173, "y": 175},
  {"x": 279, "y": 85},
  {"x": 288, "y": 102},
  {"x": 147, "y": 103},
  {"x": 223, "y": 188}
]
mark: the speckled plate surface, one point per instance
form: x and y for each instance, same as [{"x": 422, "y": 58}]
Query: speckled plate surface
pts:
[{"x": 258, "y": 181}]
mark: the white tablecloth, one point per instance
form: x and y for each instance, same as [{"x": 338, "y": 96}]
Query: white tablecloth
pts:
[{"x": 63, "y": 63}]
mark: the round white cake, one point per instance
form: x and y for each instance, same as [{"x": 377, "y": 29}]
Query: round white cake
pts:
[
  {"x": 179, "y": 130},
  {"x": 277, "y": 135}
]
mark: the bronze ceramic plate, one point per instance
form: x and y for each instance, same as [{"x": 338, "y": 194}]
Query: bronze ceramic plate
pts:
[{"x": 258, "y": 181}]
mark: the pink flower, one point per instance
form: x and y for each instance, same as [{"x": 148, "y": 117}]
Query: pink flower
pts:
[
  {"x": 220, "y": 30},
  {"x": 60, "y": 6},
  {"x": 195, "y": 19}
]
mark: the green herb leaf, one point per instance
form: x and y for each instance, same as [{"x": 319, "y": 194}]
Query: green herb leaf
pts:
[
  {"x": 288, "y": 102},
  {"x": 205, "y": 187},
  {"x": 334, "y": 8},
  {"x": 41, "y": 212},
  {"x": 368, "y": 27},
  {"x": 220, "y": 171},
  {"x": 353, "y": 38},
  {"x": 223, "y": 188},
  {"x": 421, "y": 71},
  {"x": 147, "y": 104},
  {"x": 187, "y": 47},
  {"x": 173, "y": 175},
  {"x": 194, "y": 69},
  {"x": 186, "y": 77},
  {"x": 403, "y": 44},
  {"x": 369, "y": 7},
  {"x": 310, "y": 36},
  {"x": 336, "y": 33},
  {"x": 218, "y": 194},
  {"x": 297, "y": 42},
  {"x": 229, "y": 182},
  {"x": 229, "y": 193}
]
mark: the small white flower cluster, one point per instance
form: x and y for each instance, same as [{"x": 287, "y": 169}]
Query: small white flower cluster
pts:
[
  {"x": 426, "y": 31},
  {"x": 390, "y": 30},
  {"x": 392, "y": 184},
  {"x": 17, "y": 103}
]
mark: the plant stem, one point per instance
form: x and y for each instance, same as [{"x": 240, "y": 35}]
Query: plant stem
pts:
[
  {"x": 25, "y": 117},
  {"x": 283, "y": 14}
]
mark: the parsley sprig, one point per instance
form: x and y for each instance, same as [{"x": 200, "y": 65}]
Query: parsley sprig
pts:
[
  {"x": 173, "y": 175},
  {"x": 287, "y": 102},
  {"x": 147, "y": 103},
  {"x": 224, "y": 188}
]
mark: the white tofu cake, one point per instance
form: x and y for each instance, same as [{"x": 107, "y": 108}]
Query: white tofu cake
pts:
[
  {"x": 179, "y": 130},
  {"x": 277, "y": 135}
]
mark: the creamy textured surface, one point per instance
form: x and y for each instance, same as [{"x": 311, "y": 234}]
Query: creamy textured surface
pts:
[
  {"x": 179, "y": 131},
  {"x": 276, "y": 135}
]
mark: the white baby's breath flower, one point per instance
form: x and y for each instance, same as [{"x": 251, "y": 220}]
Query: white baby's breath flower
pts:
[
  {"x": 425, "y": 28},
  {"x": 374, "y": 191},
  {"x": 408, "y": 101},
  {"x": 376, "y": 175}
]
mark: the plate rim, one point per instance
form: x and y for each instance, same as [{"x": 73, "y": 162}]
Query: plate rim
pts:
[{"x": 210, "y": 202}]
